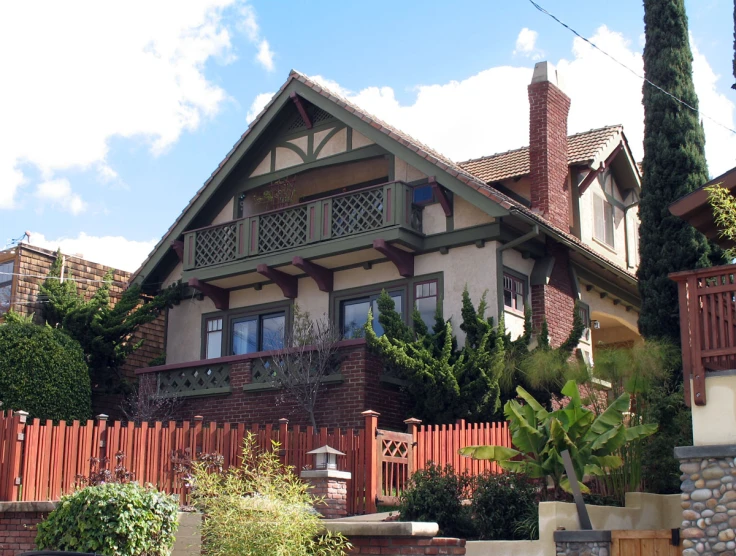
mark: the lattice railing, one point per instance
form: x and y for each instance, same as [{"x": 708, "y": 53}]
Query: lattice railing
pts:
[
  {"x": 357, "y": 213},
  {"x": 281, "y": 230},
  {"x": 263, "y": 371},
  {"x": 201, "y": 380},
  {"x": 215, "y": 245}
]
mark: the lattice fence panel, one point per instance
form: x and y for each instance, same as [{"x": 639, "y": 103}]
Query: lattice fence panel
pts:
[
  {"x": 264, "y": 372},
  {"x": 281, "y": 230},
  {"x": 357, "y": 213},
  {"x": 216, "y": 245},
  {"x": 195, "y": 379}
]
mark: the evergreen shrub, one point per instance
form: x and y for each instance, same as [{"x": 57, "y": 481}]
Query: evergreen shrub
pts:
[
  {"x": 43, "y": 372},
  {"x": 501, "y": 503},
  {"x": 112, "y": 519}
]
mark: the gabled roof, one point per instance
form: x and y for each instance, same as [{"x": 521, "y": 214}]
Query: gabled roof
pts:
[
  {"x": 586, "y": 148},
  {"x": 442, "y": 164}
]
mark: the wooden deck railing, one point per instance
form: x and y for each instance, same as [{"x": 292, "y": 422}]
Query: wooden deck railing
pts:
[
  {"x": 707, "y": 299},
  {"x": 334, "y": 217},
  {"x": 41, "y": 460}
]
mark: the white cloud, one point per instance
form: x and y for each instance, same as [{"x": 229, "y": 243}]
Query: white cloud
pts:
[
  {"x": 257, "y": 105},
  {"x": 58, "y": 193},
  {"x": 251, "y": 29},
  {"x": 115, "y": 251},
  {"x": 95, "y": 70},
  {"x": 526, "y": 44},
  {"x": 489, "y": 112}
]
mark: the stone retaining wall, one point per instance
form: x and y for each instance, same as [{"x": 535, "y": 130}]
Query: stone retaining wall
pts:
[
  {"x": 708, "y": 499},
  {"x": 583, "y": 543}
]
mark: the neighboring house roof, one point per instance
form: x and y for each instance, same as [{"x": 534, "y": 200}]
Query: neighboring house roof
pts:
[
  {"x": 457, "y": 171},
  {"x": 586, "y": 148}
]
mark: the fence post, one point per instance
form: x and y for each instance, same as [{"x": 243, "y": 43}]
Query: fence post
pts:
[
  {"x": 14, "y": 457},
  {"x": 102, "y": 437},
  {"x": 283, "y": 440},
  {"x": 371, "y": 460},
  {"x": 412, "y": 426},
  {"x": 197, "y": 436}
]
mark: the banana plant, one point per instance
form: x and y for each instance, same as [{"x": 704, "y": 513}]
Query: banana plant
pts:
[{"x": 540, "y": 436}]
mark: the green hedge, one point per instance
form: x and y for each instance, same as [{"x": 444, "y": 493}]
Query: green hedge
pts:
[
  {"x": 43, "y": 372},
  {"x": 113, "y": 519}
]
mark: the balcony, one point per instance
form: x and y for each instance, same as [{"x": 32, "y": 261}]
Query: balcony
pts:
[
  {"x": 707, "y": 300},
  {"x": 344, "y": 215}
]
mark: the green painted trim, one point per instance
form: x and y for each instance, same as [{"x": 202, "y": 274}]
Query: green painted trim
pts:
[
  {"x": 273, "y": 160},
  {"x": 423, "y": 165},
  {"x": 310, "y": 145},
  {"x": 327, "y": 137},
  {"x": 464, "y": 236},
  {"x": 294, "y": 148},
  {"x": 336, "y": 378},
  {"x": 349, "y": 142},
  {"x": 394, "y": 380},
  {"x": 610, "y": 287},
  {"x": 200, "y": 394}
]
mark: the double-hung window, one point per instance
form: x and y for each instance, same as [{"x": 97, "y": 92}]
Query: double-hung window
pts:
[
  {"x": 425, "y": 299},
  {"x": 354, "y": 313},
  {"x": 513, "y": 292},
  {"x": 604, "y": 211},
  {"x": 6, "y": 284},
  {"x": 257, "y": 333},
  {"x": 213, "y": 338}
]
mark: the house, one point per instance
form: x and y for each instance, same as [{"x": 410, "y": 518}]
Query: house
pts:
[
  {"x": 323, "y": 205},
  {"x": 707, "y": 300},
  {"x": 24, "y": 268}
]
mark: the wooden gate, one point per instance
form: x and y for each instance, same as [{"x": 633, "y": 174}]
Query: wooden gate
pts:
[
  {"x": 395, "y": 452},
  {"x": 646, "y": 543}
]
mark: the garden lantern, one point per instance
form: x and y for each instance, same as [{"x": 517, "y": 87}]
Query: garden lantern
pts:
[{"x": 325, "y": 457}]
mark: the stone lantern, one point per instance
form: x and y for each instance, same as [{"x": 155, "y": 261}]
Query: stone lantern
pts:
[
  {"x": 328, "y": 483},
  {"x": 325, "y": 457}
]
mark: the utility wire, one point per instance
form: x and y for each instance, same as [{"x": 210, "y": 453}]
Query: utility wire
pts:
[{"x": 630, "y": 70}]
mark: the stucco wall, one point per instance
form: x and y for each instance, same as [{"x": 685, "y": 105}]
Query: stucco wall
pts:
[
  {"x": 226, "y": 214},
  {"x": 406, "y": 172},
  {"x": 183, "y": 331},
  {"x": 466, "y": 215},
  {"x": 715, "y": 422},
  {"x": 434, "y": 220}
]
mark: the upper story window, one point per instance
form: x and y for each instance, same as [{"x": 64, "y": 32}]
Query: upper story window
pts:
[
  {"x": 257, "y": 333},
  {"x": 513, "y": 292},
  {"x": 604, "y": 211},
  {"x": 354, "y": 313},
  {"x": 584, "y": 313},
  {"x": 6, "y": 284},
  {"x": 425, "y": 299},
  {"x": 213, "y": 338}
]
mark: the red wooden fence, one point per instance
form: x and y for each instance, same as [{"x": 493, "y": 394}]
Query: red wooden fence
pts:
[{"x": 41, "y": 460}]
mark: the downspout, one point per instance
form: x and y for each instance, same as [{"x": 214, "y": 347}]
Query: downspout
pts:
[{"x": 534, "y": 233}]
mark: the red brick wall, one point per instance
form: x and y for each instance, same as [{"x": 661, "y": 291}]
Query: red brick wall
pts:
[
  {"x": 18, "y": 531},
  {"x": 555, "y": 300},
  {"x": 407, "y": 545},
  {"x": 550, "y": 194},
  {"x": 339, "y": 405}
]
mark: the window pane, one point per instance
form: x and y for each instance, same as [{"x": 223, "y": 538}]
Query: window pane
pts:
[
  {"x": 427, "y": 307},
  {"x": 599, "y": 218},
  {"x": 272, "y": 328},
  {"x": 354, "y": 315},
  {"x": 214, "y": 345},
  {"x": 398, "y": 306},
  {"x": 6, "y": 272},
  {"x": 4, "y": 298},
  {"x": 609, "y": 223},
  {"x": 245, "y": 336}
]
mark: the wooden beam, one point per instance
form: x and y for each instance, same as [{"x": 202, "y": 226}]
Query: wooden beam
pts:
[
  {"x": 178, "y": 246},
  {"x": 302, "y": 111},
  {"x": 324, "y": 277},
  {"x": 289, "y": 284},
  {"x": 219, "y": 296},
  {"x": 442, "y": 197},
  {"x": 403, "y": 260},
  {"x": 594, "y": 173}
]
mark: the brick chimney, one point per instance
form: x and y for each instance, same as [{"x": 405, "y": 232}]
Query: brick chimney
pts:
[{"x": 548, "y": 109}]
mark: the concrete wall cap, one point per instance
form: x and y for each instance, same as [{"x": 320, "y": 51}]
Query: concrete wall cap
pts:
[
  {"x": 325, "y": 473},
  {"x": 701, "y": 452},
  {"x": 582, "y": 536},
  {"x": 545, "y": 71},
  {"x": 27, "y": 506},
  {"x": 382, "y": 528}
]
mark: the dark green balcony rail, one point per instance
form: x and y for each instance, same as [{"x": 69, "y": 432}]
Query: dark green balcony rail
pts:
[{"x": 335, "y": 217}]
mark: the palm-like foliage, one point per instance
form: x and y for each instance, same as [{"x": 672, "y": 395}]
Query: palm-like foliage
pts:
[{"x": 540, "y": 437}]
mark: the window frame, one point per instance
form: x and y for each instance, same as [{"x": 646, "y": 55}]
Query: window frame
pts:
[
  {"x": 242, "y": 313},
  {"x": 206, "y": 335},
  {"x": 587, "y": 333},
  {"x": 608, "y": 206},
  {"x": 9, "y": 281},
  {"x": 436, "y": 296},
  {"x": 408, "y": 285},
  {"x": 524, "y": 279}
]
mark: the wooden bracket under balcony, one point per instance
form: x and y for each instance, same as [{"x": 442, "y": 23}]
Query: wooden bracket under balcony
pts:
[
  {"x": 178, "y": 247},
  {"x": 441, "y": 194},
  {"x": 321, "y": 275},
  {"x": 289, "y": 284},
  {"x": 302, "y": 110},
  {"x": 403, "y": 260},
  {"x": 219, "y": 296}
]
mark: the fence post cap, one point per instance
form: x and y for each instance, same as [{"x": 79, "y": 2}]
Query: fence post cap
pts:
[
  {"x": 102, "y": 417},
  {"x": 413, "y": 421},
  {"x": 283, "y": 421},
  {"x": 21, "y": 413},
  {"x": 370, "y": 413},
  {"x": 198, "y": 418}
]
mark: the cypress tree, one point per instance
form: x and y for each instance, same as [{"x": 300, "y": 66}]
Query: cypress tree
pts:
[{"x": 674, "y": 165}]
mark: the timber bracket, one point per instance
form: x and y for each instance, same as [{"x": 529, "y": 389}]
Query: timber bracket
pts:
[
  {"x": 289, "y": 284},
  {"x": 403, "y": 260},
  {"x": 219, "y": 296}
]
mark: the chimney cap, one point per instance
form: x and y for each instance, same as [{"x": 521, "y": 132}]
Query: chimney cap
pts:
[{"x": 545, "y": 71}]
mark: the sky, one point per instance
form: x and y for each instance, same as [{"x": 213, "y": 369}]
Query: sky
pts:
[{"x": 113, "y": 114}]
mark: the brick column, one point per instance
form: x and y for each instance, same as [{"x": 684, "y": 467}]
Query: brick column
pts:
[
  {"x": 590, "y": 543},
  {"x": 331, "y": 486},
  {"x": 708, "y": 499}
]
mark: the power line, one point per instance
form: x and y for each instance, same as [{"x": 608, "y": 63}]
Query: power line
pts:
[{"x": 630, "y": 70}]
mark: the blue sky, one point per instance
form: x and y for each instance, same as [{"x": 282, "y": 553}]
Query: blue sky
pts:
[{"x": 115, "y": 114}]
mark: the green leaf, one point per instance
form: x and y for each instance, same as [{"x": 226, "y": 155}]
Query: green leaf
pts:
[
  {"x": 612, "y": 416},
  {"x": 493, "y": 453},
  {"x": 539, "y": 409},
  {"x": 565, "y": 484},
  {"x": 525, "y": 437}
]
